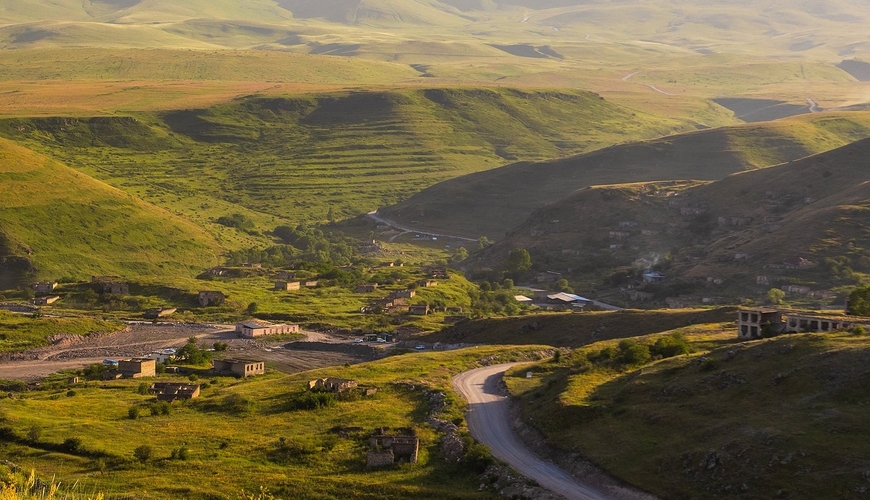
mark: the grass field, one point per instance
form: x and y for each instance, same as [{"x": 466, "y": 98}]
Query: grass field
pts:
[
  {"x": 19, "y": 333},
  {"x": 757, "y": 419},
  {"x": 68, "y": 224},
  {"x": 232, "y": 433}
]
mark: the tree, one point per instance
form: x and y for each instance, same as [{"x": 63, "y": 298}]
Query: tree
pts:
[
  {"x": 252, "y": 308},
  {"x": 775, "y": 296},
  {"x": 562, "y": 286},
  {"x": 142, "y": 453},
  {"x": 330, "y": 215},
  {"x": 859, "y": 301},
  {"x": 482, "y": 242},
  {"x": 460, "y": 254},
  {"x": 519, "y": 260}
]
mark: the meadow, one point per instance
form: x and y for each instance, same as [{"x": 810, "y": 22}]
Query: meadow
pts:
[
  {"x": 244, "y": 435},
  {"x": 19, "y": 333}
]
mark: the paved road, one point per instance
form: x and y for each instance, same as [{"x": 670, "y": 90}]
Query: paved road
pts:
[{"x": 489, "y": 422}]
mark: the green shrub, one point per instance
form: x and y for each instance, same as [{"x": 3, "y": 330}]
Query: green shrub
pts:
[
  {"x": 142, "y": 453},
  {"x": 674, "y": 344},
  {"x": 312, "y": 400},
  {"x": 633, "y": 353},
  {"x": 72, "y": 445},
  {"x": 133, "y": 412}
]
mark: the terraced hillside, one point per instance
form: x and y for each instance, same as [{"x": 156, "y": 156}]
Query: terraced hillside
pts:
[
  {"x": 493, "y": 202},
  {"x": 801, "y": 227},
  {"x": 56, "y": 221},
  {"x": 299, "y": 158}
]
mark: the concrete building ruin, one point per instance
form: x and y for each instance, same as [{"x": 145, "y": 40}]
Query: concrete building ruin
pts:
[
  {"x": 172, "y": 391},
  {"x": 258, "y": 328},
  {"x": 241, "y": 367},
  {"x": 388, "y": 450},
  {"x": 137, "y": 367},
  {"x": 754, "y": 323}
]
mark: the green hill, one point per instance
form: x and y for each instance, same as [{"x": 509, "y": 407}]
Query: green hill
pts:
[
  {"x": 295, "y": 157},
  {"x": 66, "y": 224},
  {"x": 778, "y": 418},
  {"x": 493, "y": 202},
  {"x": 736, "y": 237}
]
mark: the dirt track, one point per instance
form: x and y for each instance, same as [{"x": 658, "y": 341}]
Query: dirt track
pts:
[
  {"x": 141, "y": 339},
  {"x": 489, "y": 421}
]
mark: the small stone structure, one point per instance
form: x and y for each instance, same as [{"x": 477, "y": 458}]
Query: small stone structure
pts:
[
  {"x": 240, "y": 367},
  {"x": 332, "y": 384},
  {"x": 171, "y": 391},
  {"x": 211, "y": 298},
  {"x": 388, "y": 450}
]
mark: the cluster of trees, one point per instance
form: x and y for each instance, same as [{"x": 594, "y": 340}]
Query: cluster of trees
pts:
[
  {"x": 493, "y": 300},
  {"x": 238, "y": 221},
  {"x": 632, "y": 353},
  {"x": 191, "y": 354},
  {"x": 304, "y": 243}
]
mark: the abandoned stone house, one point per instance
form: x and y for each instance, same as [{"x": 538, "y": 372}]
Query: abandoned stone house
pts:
[
  {"x": 419, "y": 310},
  {"x": 286, "y": 275},
  {"x": 44, "y": 287},
  {"x": 45, "y": 301},
  {"x": 132, "y": 368},
  {"x": 258, "y": 328},
  {"x": 116, "y": 288},
  {"x": 211, "y": 298},
  {"x": 436, "y": 272},
  {"x": 367, "y": 288},
  {"x": 427, "y": 283},
  {"x": 403, "y": 294},
  {"x": 753, "y": 323},
  {"x": 172, "y": 391},
  {"x": 388, "y": 450},
  {"x": 239, "y": 367},
  {"x": 332, "y": 384},
  {"x": 287, "y": 285}
]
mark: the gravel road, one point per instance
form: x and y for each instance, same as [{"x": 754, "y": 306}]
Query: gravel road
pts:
[{"x": 489, "y": 422}]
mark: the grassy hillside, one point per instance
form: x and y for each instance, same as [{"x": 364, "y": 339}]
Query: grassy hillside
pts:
[
  {"x": 766, "y": 419},
  {"x": 68, "y": 224},
  {"x": 294, "y": 158},
  {"x": 743, "y": 230},
  {"x": 244, "y": 435},
  {"x": 492, "y": 203},
  {"x": 574, "y": 330}
]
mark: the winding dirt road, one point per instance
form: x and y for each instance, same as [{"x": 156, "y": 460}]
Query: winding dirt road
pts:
[{"x": 489, "y": 422}]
